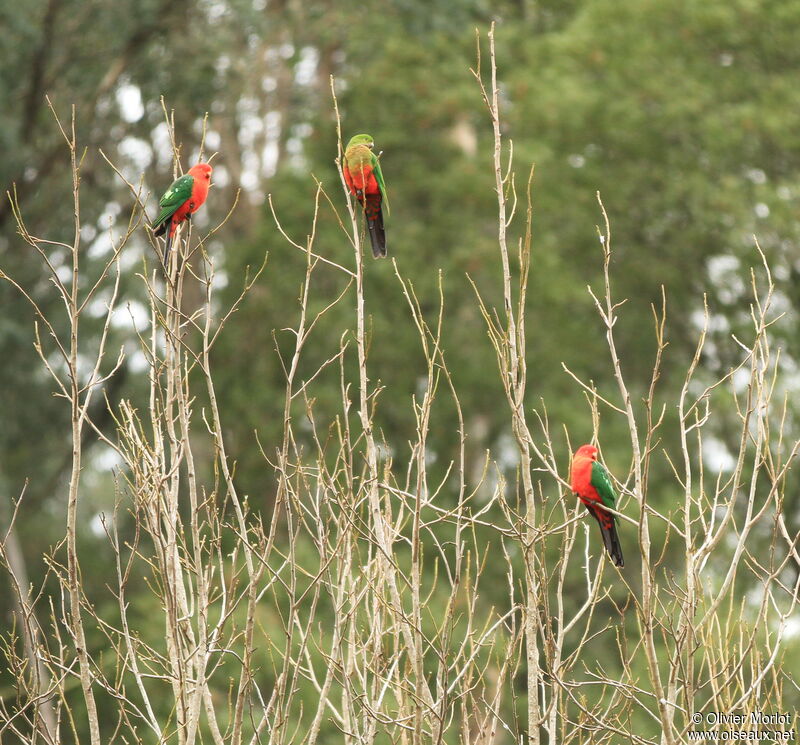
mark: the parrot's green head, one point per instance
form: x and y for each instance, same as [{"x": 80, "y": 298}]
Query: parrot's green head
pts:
[{"x": 361, "y": 140}]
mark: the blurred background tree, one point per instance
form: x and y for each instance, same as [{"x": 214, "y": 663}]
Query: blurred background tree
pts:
[{"x": 685, "y": 116}]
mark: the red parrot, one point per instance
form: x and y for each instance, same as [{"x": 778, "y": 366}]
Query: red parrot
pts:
[
  {"x": 592, "y": 485},
  {"x": 362, "y": 173},
  {"x": 181, "y": 200}
]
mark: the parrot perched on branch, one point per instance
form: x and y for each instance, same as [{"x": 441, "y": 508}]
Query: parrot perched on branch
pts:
[
  {"x": 181, "y": 200},
  {"x": 362, "y": 173},
  {"x": 592, "y": 485}
]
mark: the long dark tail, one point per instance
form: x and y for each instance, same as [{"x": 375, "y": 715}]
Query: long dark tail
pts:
[
  {"x": 165, "y": 228},
  {"x": 377, "y": 234},
  {"x": 611, "y": 539},
  {"x": 167, "y": 246},
  {"x": 608, "y": 527}
]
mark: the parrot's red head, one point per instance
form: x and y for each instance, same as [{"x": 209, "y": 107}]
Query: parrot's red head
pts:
[
  {"x": 586, "y": 451},
  {"x": 201, "y": 171}
]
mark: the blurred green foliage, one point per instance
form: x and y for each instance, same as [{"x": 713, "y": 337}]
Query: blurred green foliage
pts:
[{"x": 685, "y": 116}]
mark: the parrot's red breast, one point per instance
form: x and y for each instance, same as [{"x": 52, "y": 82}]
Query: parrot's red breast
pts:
[
  {"x": 581, "y": 478},
  {"x": 361, "y": 179}
]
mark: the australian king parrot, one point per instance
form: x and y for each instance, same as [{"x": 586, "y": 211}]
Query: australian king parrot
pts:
[
  {"x": 181, "y": 200},
  {"x": 592, "y": 485},
  {"x": 362, "y": 173}
]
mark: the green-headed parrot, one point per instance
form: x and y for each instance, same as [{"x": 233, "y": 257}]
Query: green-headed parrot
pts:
[
  {"x": 592, "y": 485},
  {"x": 181, "y": 200},
  {"x": 363, "y": 175}
]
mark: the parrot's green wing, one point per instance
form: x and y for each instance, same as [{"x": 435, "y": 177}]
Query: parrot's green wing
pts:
[
  {"x": 173, "y": 198},
  {"x": 602, "y": 482},
  {"x": 376, "y": 169}
]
